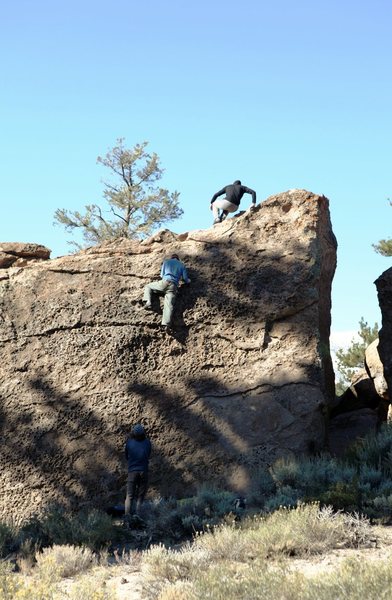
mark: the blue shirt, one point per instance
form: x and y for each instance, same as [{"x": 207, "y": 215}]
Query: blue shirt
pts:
[
  {"x": 137, "y": 453},
  {"x": 173, "y": 270}
]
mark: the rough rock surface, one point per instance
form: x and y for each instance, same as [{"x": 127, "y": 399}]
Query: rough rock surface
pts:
[
  {"x": 359, "y": 411},
  {"x": 384, "y": 290},
  {"x": 361, "y": 394},
  {"x": 375, "y": 369},
  {"x": 245, "y": 377},
  {"x": 363, "y": 406},
  {"x": 347, "y": 427},
  {"x": 18, "y": 255}
]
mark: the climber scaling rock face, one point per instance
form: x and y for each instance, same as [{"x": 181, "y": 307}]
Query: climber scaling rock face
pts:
[{"x": 244, "y": 378}]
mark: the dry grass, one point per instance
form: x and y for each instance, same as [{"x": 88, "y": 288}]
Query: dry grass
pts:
[
  {"x": 65, "y": 561},
  {"x": 236, "y": 561},
  {"x": 353, "y": 581},
  {"x": 234, "y": 557},
  {"x": 304, "y": 530},
  {"x": 47, "y": 583}
]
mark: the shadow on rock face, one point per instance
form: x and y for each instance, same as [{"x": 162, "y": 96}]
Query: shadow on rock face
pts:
[{"x": 244, "y": 377}]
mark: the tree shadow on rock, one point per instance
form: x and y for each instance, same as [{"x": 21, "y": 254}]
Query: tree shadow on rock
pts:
[{"x": 59, "y": 449}]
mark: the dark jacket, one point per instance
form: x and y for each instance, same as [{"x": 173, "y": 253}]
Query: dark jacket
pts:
[
  {"x": 137, "y": 453},
  {"x": 234, "y": 193}
]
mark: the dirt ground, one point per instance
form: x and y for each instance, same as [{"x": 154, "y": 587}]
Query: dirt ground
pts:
[
  {"x": 128, "y": 586},
  {"x": 128, "y": 583},
  {"x": 381, "y": 549}
]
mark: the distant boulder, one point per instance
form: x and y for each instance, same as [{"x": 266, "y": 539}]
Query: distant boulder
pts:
[
  {"x": 384, "y": 290},
  {"x": 375, "y": 369},
  {"x": 16, "y": 254}
]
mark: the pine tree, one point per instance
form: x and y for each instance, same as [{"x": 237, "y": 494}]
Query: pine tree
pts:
[
  {"x": 352, "y": 359},
  {"x": 136, "y": 205},
  {"x": 384, "y": 247}
]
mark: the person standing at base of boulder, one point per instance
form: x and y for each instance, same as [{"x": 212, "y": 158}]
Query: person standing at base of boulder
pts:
[
  {"x": 231, "y": 202},
  {"x": 172, "y": 272},
  {"x": 137, "y": 453}
]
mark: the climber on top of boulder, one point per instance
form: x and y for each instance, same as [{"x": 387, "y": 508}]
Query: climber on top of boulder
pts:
[{"x": 231, "y": 202}]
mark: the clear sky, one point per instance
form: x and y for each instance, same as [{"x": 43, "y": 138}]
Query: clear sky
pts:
[{"x": 284, "y": 94}]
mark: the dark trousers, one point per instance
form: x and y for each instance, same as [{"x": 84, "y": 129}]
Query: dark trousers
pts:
[{"x": 137, "y": 483}]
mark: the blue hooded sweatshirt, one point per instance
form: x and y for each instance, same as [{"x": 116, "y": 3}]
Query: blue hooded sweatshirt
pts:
[{"x": 137, "y": 453}]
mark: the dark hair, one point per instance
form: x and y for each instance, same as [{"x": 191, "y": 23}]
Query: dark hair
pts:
[
  {"x": 138, "y": 432},
  {"x": 237, "y": 182},
  {"x": 175, "y": 256}
]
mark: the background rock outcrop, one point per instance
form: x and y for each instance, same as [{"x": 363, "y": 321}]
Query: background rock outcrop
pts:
[
  {"x": 246, "y": 376},
  {"x": 384, "y": 291},
  {"x": 375, "y": 369},
  {"x": 18, "y": 255},
  {"x": 363, "y": 407}
]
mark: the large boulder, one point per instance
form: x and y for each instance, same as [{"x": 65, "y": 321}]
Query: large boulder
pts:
[
  {"x": 362, "y": 408},
  {"x": 17, "y": 255},
  {"x": 375, "y": 369},
  {"x": 384, "y": 290},
  {"x": 356, "y": 413},
  {"x": 361, "y": 394},
  {"x": 350, "y": 426},
  {"x": 246, "y": 376}
]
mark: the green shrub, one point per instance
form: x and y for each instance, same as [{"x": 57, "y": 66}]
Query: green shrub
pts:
[
  {"x": 375, "y": 450},
  {"x": 370, "y": 475},
  {"x": 212, "y": 502},
  {"x": 311, "y": 476},
  {"x": 342, "y": 496},
  {"x": 286, "y": 497},
  {"x": 351, "y": 484},
  {"x": 93, "y": 528},
  {"x": 192, "y": 523},
  {"x": 263, "y": 486},
  {"x": 163, "y": 520},
  {"x": 170, "y": 520},
  {"x": 7, "y": 539},
  {"x": 381, "y": 505}
]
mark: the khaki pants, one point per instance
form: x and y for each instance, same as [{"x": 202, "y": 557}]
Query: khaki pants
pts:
[
  {"x": 223, "y": 205},
  {"x": 169, "y": 291}
]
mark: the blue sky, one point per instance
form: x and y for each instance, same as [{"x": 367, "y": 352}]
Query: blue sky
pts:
[{"x": 278, "y": 94}]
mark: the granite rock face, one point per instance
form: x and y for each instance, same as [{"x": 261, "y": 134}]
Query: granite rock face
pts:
[
  {"x": 358, "y": 412},
  {"x": 375, "y": 369},
  {"x": 244, "y": 378},
  {"x": 18, "y": 255},
  {"x": 349, "y": 426},
  {"x": 384, "y": 290}
]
